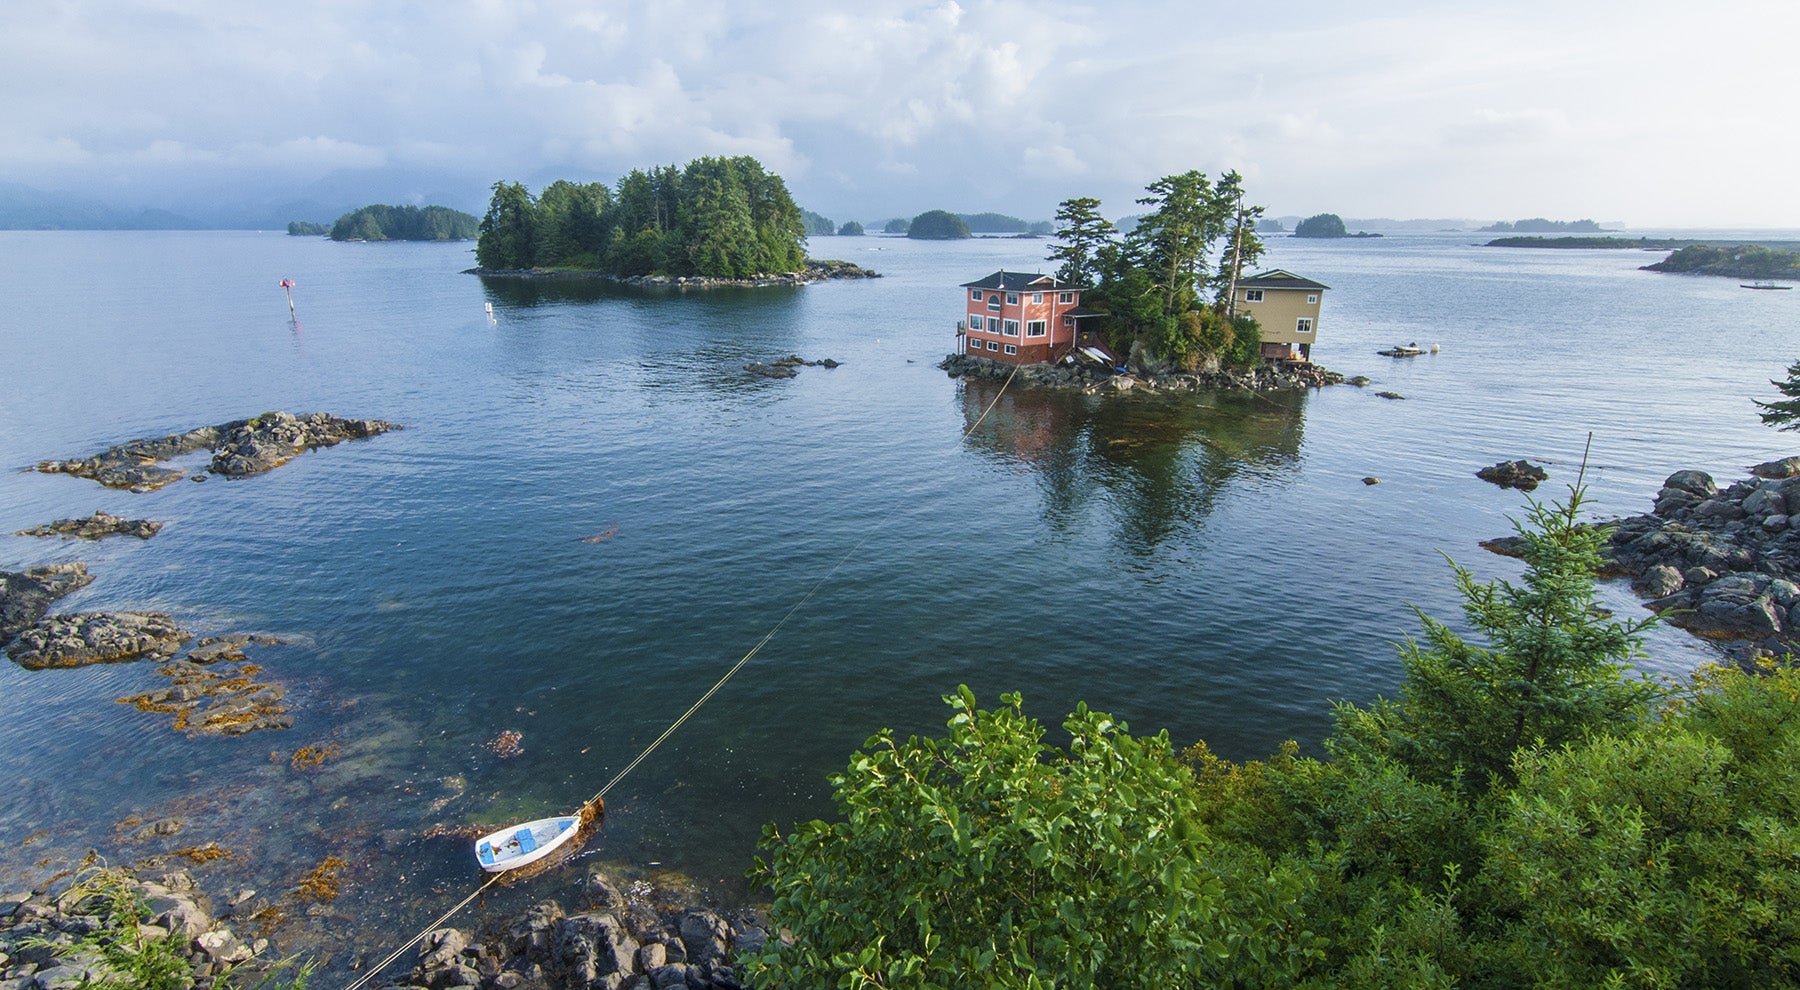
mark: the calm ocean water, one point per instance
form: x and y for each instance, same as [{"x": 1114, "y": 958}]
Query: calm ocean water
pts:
[{"x": 1208, "y": 565}]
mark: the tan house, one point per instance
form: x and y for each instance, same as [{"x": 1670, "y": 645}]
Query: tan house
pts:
[{"x": 1287, "y": 308}]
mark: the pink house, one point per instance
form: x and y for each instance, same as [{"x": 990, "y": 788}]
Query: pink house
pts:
[{"x": 1020, "y": 318}]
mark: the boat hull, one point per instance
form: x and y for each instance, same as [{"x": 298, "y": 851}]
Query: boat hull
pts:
[{"x": 521, "y": 845}]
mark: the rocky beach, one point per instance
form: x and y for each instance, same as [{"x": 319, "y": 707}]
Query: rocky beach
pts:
[
  {"x": 1144, "y": 377},
  {"x": 815, "y": 271}
]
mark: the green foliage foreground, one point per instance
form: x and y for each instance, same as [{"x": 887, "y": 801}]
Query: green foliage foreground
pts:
[{"x": 1528, "y": 813}]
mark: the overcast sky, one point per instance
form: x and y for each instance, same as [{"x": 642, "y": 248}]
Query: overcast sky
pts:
[{"x": 1654, "y": 113}]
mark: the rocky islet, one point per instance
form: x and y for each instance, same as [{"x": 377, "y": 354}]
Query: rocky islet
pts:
[{"x": 241, "y": 447}]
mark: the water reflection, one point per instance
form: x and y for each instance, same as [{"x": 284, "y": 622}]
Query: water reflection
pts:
[{"x": 1161, "y": 461}]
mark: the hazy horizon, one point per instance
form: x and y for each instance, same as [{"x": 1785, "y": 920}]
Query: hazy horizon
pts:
[{"x": 1646, "y": 112}]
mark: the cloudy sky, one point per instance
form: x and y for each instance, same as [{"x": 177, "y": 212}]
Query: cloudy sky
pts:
[{"x": 1650, "y": 112}]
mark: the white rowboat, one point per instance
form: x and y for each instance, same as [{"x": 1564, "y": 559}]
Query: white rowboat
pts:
[{"x": 517, "y": 845}]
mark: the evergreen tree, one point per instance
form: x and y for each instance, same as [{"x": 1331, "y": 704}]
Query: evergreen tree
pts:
[
  {"x": 1080, "y": 233},
  {"x": 1784, "y": 414},
  {"x": 1174, "y": 238},
  {"x": 507, "y": 229},
  {"x": 1243, "y": 248}
]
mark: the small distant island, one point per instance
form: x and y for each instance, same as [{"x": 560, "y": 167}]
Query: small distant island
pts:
[
  {"x": 403, "y": 223},
  {"x": 302, "y": 228},
  {"x": 1539, "y": 225},
  {"x": 1326, "y": 225},
  {"x": 1741, "y": 261},
  {"x": 714, "y": 221},
  {"x": 938, "y": 225},
  {"x": 1613, "y": 243}
]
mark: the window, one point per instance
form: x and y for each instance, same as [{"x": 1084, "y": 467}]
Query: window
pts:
[
  {"x": 993, "y": 346},
  {"x": 1037, "y": 297},
  {"x": 976, "y": 322},
  {"x": 1253, "y": 295},
  {"x": 1068, "y": 321},
  {"x": 1035, "y": 328},
  {"x": 994, "y": 303},
  {"x": 1012, "y": 298},
  {"x": 1012, "y": 328},
  {"x": 1312, "y": 298},
  {"x": 974, "y": 295},
  {"x": 1065, "y": 298},
  {"x": 1303, "y": 325},
  {"x": 1010, "y": 349}
]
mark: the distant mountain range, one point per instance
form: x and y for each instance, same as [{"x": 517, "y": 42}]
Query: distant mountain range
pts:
[{"x": 24, "y": 207}]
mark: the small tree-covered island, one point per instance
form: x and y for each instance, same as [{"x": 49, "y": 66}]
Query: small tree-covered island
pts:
[
  {"x": 402, "y": 223},
  {"x": 714, "y": 220},
  {"x": 1171, "y": 303}
]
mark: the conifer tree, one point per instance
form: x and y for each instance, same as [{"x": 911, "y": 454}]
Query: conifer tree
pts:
[{"x": 1784, "y": 414}]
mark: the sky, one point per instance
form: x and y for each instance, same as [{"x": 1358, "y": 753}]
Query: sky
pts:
[{"x": 1656, "y": 114}]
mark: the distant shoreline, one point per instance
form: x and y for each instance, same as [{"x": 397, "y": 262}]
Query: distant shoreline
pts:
[{"x": 815, "y": 271}]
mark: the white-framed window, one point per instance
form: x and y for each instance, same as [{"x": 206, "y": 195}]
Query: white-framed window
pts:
[
  {"x": 1010, "y": 349},
  {"x": 1037, "y": 297},
  {"x": 977, "y": 322},
  {"x": 994, "y": 303},
  {"x": 1253, "y": 295},
  {"x": 1012, "y": 298},
  {"x": 1036, "y": 328},
  {"x": 1312, "y": 298},
  {"x": 1065, "y": 298},
  {"x": 1068, "y": 321},
  {"x": 993, "y": 346},
  {"x": 974, "y": 295},
  {"x": 1011, "y": 328},
  {"x": 1303, "y": 325}
]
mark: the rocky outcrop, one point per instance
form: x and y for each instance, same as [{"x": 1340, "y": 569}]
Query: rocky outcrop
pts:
[
  {"x": 241, "y": 447},
  {"x": 83, "y": 638},
  {"x": 1267, "y": 378},
  {"x": 787, "y": 367},
  {"x": 1724, "y": 564},
  {"x": 46, "y": 935},
  {"x": 1522, "y": 475},
  {"x": 617, "y": 940},
  {"x": 26, "y": 595},
  {"x": 96, "y": 527}
]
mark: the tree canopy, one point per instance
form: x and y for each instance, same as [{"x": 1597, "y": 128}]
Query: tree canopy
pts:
[
  {"x": 1530, "y": 812},
  {"x": 715, "y": 217},
  {"x": 1163, "y": 285},
  {"x": 403, "y": 223},
  {"x": 850, "y": 229},
  {"x": 938, "y": 225}
]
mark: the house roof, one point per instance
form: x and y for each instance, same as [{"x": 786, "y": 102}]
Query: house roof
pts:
[
  {"x": 1276, "y": 278},
  {"x": 1081, "y": 311},
  {"x": 1016, "y": 281}
]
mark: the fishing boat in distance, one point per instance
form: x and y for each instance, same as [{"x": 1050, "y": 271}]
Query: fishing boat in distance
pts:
[
  {"x": 520, "y": 845},
  {"x": 1764, "y": 285}
]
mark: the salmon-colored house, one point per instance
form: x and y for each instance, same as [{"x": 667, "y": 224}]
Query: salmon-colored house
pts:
[{"x": 1020, "y": 318}]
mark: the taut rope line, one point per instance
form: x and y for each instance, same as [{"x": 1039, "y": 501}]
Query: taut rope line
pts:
[{"x": 695, "y": 707}]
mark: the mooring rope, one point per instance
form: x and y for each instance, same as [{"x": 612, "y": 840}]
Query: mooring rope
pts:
[{"x": 677, "y": 724}]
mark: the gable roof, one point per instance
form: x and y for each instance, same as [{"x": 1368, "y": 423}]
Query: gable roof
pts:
[
  {"x": 1018, "y": 281},
  {"x": 1276, "y": 278}
]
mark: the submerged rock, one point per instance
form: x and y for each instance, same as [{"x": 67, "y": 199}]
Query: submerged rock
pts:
[
  {"x": 26, "y": 595},
  {"x": 97, "y": 526},
  {"x": 83, "y": 638},
  {"x": 240, "y": 447}
]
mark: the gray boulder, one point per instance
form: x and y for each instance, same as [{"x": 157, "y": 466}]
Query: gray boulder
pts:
[
  {"x": 1693, "y": 482},
  {"x": 25, "y": 596},
  {"x": 1786, "y": 467}
]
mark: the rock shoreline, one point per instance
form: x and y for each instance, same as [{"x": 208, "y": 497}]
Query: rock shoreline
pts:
[
  {"x": 40, "y": 932},
  {"x": 815, "y": 271},
  {"x": 241, "y": 447},
  {"x": 96, "y": 527},
  {"x": 617, "y": 939},
  {"x": 1266, "y": 378},
  {"x": 1723, "y": 564}
]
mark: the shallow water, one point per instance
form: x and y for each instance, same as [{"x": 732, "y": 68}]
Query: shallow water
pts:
[{"x": 593, "y": 512}]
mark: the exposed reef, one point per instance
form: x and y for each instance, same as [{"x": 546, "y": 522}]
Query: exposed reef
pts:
[
  {"x": 787, "y": 367},
  {"x": 25, "y": 596},
  {"x": 241, "y": 447},
  {"x": 82, "y": 638},
  {"x": 96, "y": 527}
]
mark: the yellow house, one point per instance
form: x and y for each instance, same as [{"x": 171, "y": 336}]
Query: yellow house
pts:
[{"x": 1287, "y": 308}]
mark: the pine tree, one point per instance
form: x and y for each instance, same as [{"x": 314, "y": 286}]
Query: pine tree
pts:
[
  {"x": 1784, "y": 414},
  {"x": 1081, "y": 232}
]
